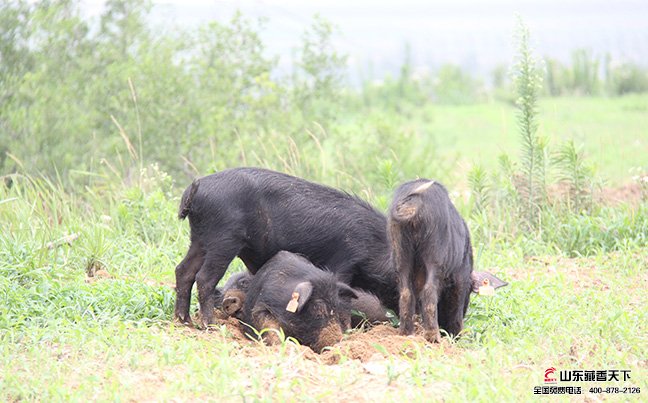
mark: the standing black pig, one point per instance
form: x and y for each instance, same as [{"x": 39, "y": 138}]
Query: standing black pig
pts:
[
  {"x": 309, "y": 304},
  {"x": 432, "y": 254},
  {"x": 254, "y": 213}
]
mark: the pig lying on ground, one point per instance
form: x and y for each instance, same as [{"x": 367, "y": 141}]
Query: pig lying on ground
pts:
[
  {"x": 432, "y": 253},
  {"x": 307, "y": 303},
  {"x": 235, "y": 290}
]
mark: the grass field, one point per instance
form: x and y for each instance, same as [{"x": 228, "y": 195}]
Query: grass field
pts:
[
  {"x": 612, "y": 131},
  {"x": 104, "y": 121},
  {"x": 86, "y": 292}
]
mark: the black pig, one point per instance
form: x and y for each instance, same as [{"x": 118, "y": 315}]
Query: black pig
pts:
[
  {"x": 309, "y": 304},
  {"x": 254, "y": 213},
  {"x": 373, "y": 311},
  {"x": 432, "y": 253},
  {"x": 234, "y": 293}
]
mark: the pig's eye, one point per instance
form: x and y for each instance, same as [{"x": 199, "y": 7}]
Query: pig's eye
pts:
[{"x": 320, "y": 309}]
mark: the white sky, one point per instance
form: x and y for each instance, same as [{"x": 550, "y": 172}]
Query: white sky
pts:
[{"x": 476, "y": 34}]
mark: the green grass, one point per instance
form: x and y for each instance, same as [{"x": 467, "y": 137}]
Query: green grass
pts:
[
  {"x": 612, "y": 131},
  {"x": 64, "y": 336},
  {"x": 88, "y": 250}
]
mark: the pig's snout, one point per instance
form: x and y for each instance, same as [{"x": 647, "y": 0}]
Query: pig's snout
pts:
[{"x": 232, "y": 304}]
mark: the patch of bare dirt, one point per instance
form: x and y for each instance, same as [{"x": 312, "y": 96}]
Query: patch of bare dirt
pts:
[
  {"x": 379, "y": 342},
  {"x": 224, "y": 325},
  {"x": 582, "y": 273},
  {"x": 630, "y": 193}
]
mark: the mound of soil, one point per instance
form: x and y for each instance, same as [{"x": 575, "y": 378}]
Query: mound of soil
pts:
[
  {"x": 378, "y": 342},
  {"x": 225, "y": 325}
]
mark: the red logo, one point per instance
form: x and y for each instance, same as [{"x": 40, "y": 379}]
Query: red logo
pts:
[{"x": 548, "y": 373}]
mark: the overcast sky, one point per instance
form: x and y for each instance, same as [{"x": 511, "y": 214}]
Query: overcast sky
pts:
[{"x": 476, "y": 34}]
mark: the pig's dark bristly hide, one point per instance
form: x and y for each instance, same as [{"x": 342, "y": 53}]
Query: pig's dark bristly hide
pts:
[
  {"x": 254, "y": 213},
  {"x": 432, "y": 253}
]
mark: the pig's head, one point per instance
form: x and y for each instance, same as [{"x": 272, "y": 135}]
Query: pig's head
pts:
[
  {"x": 315, "y": 311},
  {"x": 234, "y": 293}
]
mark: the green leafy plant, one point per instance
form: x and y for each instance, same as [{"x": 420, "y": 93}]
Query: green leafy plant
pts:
[
  {"x": 479, "y": 187},
  {"x": 528, "y": 83},
  {"x": 577, "y": 174}
]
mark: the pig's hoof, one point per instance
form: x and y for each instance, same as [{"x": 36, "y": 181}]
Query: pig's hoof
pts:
[
  {"x": 406, "y": 332},
  {"x": 433, "y": 336},
  {"x": 182, "y": 321}
]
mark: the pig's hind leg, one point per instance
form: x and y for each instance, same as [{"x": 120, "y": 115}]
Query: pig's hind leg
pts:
[
  {"x": 185, "y": 274},
  {"x": 211, "y": 272},
  {"x": 429, "y": 299},
  {"x": 453, "y": 306}
]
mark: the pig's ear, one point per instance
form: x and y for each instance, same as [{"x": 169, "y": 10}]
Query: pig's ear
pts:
[
  {"x": 345, "y": 291},
  {"x": 244, "y": 283},
  {"x": 300, "y": 295},
  {"x": 479, "y": 278}
]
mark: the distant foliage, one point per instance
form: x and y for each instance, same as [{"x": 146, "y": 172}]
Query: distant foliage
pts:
[
  {"x": 320, "y": 72},
  {"x": 115, "y": 94},
  {"x": 454, "y": 86},
  {"x": 448, "y": 85},
  {"x": 626, "y": 78},
  {"x": 121, "y": 111},
  {"x": 590, "y": 75},
  {"x": 76, "y": 97}
]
